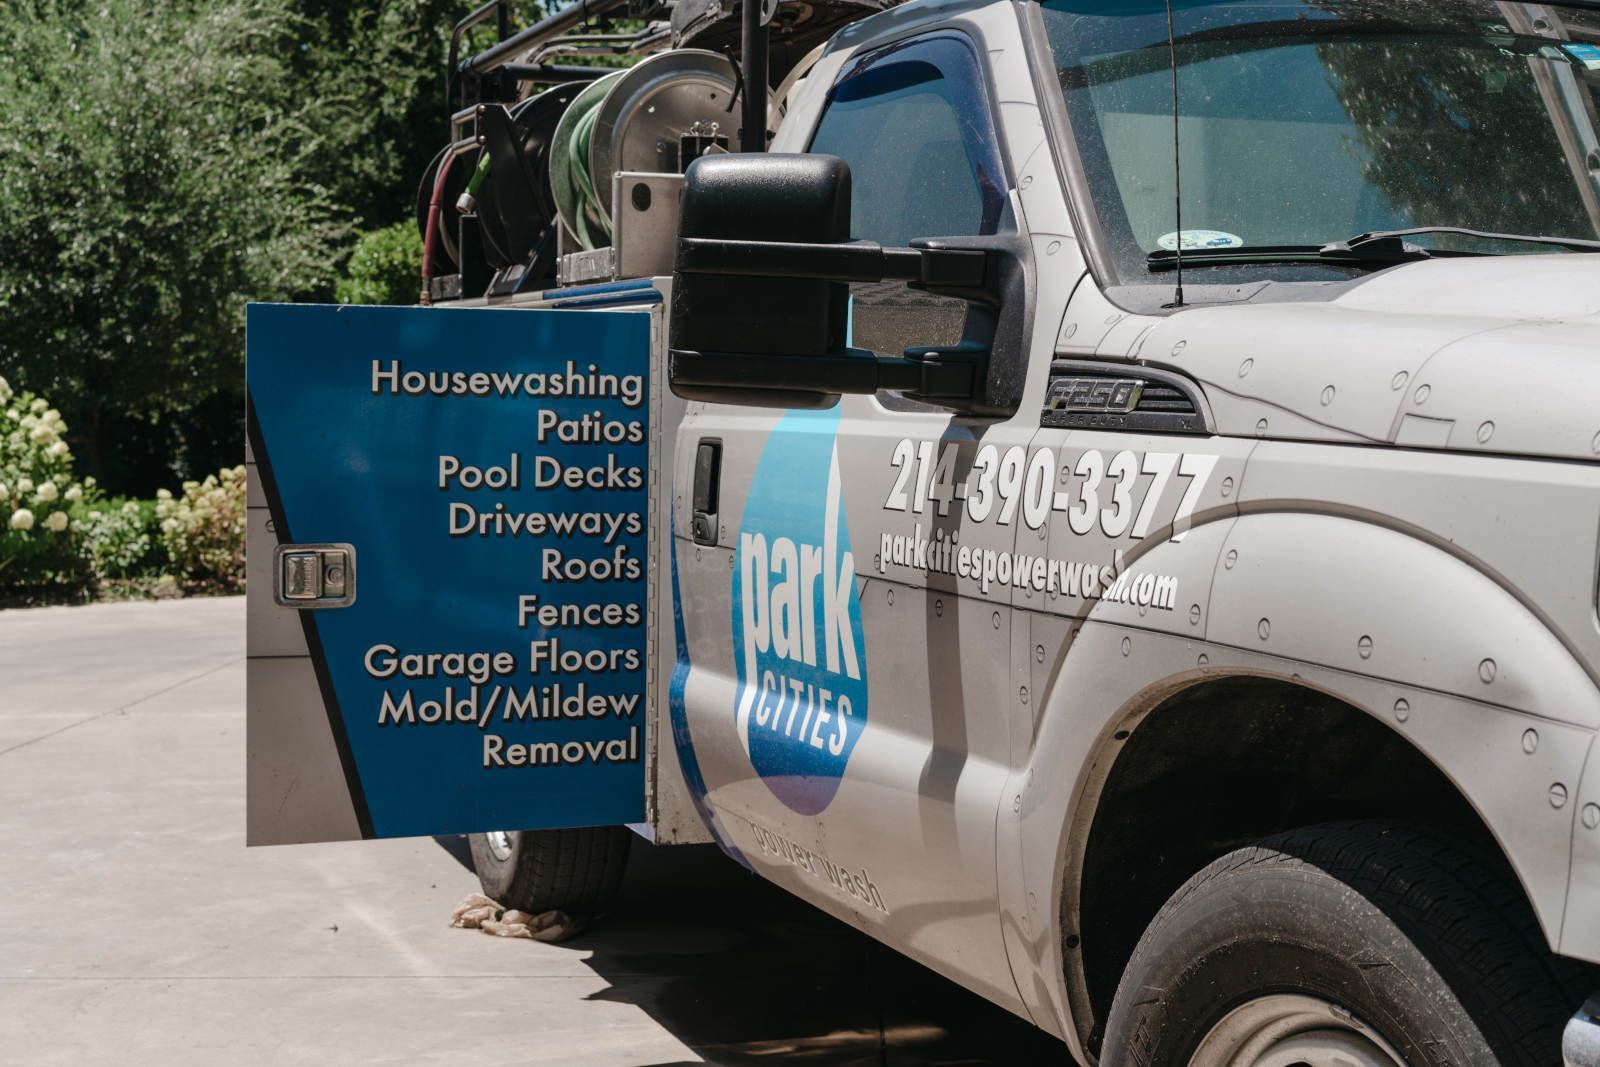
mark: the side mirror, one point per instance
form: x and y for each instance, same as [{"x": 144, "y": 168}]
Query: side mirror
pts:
[{"x": 760, "y": 297}]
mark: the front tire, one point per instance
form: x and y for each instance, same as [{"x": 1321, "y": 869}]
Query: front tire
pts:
[
  {"x": 1355, "y": 943},
  {"x": 575, "y": 871}
]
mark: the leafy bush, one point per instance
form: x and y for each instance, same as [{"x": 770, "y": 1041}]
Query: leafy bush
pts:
[
  {"x": 159, "y": 164},
  {"x": 40, "y": 502},
  {"x": 122, "y": 540},
  {"x": 384, "y": 268},
  {"x": 203, "y": 530}
]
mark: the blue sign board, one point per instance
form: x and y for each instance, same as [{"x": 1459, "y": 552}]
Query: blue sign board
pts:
[{"x": 489, "y": 469}]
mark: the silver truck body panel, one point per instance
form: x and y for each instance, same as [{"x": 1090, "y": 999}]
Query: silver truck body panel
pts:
[
  {"x": 914, "y": 646},
  {"x": 1399, "y": 507}
]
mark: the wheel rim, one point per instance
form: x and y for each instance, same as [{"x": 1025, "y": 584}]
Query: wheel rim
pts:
[
  {"x": 499, "y": 844},
  {"x": 1290, "y": 1030}
]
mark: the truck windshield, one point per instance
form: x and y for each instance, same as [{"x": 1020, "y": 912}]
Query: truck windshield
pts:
[{"x": 1307, "y": 122}]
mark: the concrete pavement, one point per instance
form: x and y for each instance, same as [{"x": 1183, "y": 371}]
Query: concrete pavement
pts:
[{"x": 136, "y": 928}]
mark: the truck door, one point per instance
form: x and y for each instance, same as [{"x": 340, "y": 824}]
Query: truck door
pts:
[
  {"x": 448, "y": 545},
  {"x": 845, "y": 689}
]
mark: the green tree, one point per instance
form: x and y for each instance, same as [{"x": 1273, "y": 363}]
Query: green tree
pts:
[
  {"x": 155, "y": 173},
  {"x": 163, "y": 163},
  {"x": 384, "y": 61},
  {"x": 384, "y": 268}
]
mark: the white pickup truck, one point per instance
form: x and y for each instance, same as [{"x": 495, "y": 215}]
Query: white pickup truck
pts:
[{"x": 1107, "y": 503}]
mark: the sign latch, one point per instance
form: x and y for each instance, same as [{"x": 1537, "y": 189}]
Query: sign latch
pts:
[{"x": 315, "y": 576}]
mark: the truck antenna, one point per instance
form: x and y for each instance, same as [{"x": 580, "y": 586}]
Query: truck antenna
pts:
[
  {"x": 753, "y": 71},
  {"x": 1177, "y": 157}
]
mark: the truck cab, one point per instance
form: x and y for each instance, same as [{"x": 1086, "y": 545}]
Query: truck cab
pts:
[{"x": 1123, "y": 496}]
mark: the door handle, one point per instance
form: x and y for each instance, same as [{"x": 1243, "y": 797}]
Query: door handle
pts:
[
  {"x": 314, "y": 576},
  {"x": 707, "y": 482}
]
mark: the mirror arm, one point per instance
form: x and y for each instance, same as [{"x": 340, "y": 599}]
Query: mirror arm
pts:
[
  {"x": 930, "y": 373},
  {"x": 930, "y": 265}
]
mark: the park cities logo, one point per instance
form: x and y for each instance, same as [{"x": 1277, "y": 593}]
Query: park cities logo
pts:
[{"x": 802, "y": 693}]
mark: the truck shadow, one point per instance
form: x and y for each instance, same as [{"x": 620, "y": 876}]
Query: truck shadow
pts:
[{"x": 743, "y": 973}]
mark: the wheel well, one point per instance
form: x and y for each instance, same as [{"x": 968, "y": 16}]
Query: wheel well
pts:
[{"x": 1217, "y": 766}]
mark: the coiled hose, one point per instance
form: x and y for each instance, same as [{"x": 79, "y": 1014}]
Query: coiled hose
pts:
[
  {"x": 589, "y": 225},
  {"x": 592, "y": 228}
]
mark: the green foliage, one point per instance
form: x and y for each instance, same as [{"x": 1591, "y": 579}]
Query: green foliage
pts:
[
  {"x": 122, "y": 541},
  {"x": 162, "y": 162},
  {"x": 40, "y": 501},
  {"x": 384, "y": 61},
  {"x": 155, "y": 172},
  {"x": 203, "y": 530},
  {"x": 384, "y": 268}
]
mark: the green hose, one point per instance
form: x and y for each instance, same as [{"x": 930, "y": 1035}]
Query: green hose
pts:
[
  {"x": 468, "y": 200},
  {"x": 573, "y": 187},
  {"x": 591, "y": 221}
]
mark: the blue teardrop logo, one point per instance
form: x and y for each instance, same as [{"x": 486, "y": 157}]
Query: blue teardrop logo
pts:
[{"x": 802, "y": 695}]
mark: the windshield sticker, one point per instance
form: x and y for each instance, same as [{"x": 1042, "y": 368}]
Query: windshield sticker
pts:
[
  {"x": 1197, "y": 239},
  {"x": 802, "y": 695},
  {"x": 1587, "y": 54}
]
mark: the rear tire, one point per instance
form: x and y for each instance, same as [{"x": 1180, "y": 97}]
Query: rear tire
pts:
[
  {"x": 575, "y": 871},
  {"x": 1374, "y": 937}
]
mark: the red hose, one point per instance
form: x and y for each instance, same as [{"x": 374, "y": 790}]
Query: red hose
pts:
[{"x": 431, "y": 231}]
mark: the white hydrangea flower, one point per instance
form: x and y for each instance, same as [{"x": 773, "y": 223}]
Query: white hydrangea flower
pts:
[
  {"x": 88, "y": 483},
  {"x": 24, "y": 485},
  {"x": 58, "y": 449},
  {"x": 5, "y": 391},
  {"x": 56, "y": 522},
  {"x": 169, "y": 525},
  {"x": 163, "y": 494},
  {"x": 22, "y": 519},
  {"x": 4, "y": 491},
  {"x": 42, "y": 434},
  {"x": 48, "y": 492},
  {"x": 38, "y": 405},
  {"x": 130, "y": 508},
  {"x": 73, "y": 493}
]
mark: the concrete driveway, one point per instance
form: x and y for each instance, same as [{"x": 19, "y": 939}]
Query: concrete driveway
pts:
[{"x": 136, "y": 928}]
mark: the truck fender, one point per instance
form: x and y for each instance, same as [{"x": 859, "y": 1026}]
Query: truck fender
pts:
[{"x": 1385, "y": 619}]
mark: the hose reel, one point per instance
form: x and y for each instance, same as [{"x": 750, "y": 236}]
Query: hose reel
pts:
[
  {"x": 546, "y": 165},
  {"x": 633, "y": 120}
]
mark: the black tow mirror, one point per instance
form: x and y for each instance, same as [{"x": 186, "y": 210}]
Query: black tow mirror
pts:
[{"x": 760, "y": 297}]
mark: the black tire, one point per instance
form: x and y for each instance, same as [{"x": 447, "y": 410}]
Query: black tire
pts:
[
  {"x": 575, "y": 871},
  {"x": 1425, "y": 940}
]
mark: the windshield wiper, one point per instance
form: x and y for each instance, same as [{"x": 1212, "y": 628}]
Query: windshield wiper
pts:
[
  {"x": 1573, "y": 244},
  {"x": 1356, "y": 252},
  {"x": 1380, "y": 248}
]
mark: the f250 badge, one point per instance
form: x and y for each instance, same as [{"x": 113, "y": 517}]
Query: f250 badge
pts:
[{"x": 802, "y": 693}]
